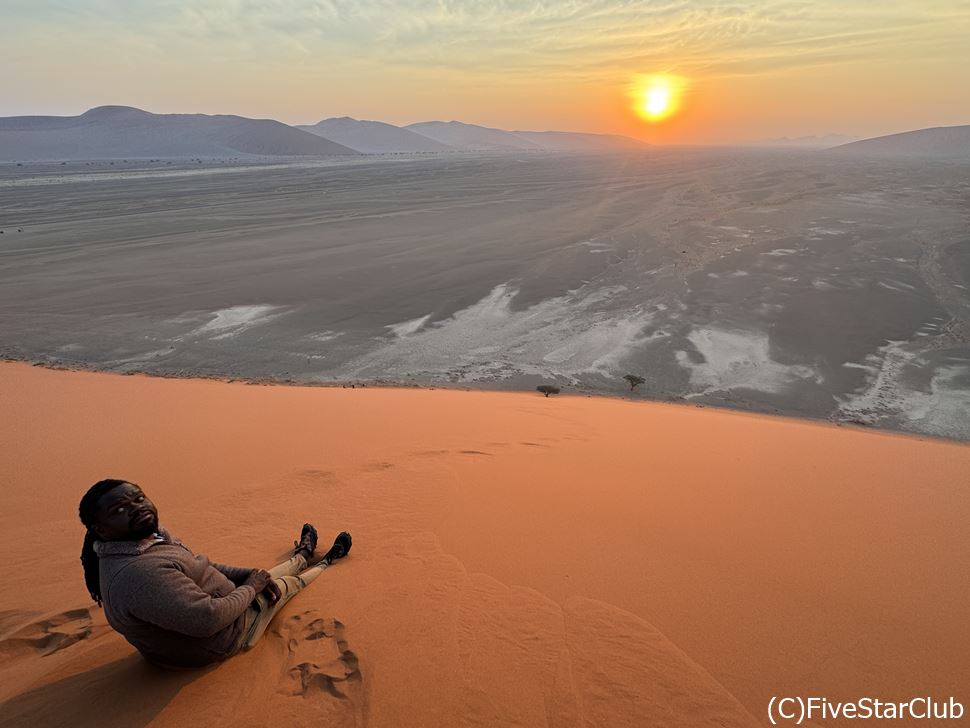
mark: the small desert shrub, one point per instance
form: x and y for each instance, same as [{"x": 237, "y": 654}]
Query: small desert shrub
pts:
[
  {"x": 633, "y": 380},
  {"x": 547, "y": 389}
]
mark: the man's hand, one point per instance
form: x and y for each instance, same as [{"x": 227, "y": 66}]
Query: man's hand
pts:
[
  {"x": 272, "y": 592},
  {"x": 258, "y": 579},
  {"x": 262, "y": 582}
]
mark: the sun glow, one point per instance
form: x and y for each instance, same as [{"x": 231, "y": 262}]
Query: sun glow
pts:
[{"x": 656, "y": 98}]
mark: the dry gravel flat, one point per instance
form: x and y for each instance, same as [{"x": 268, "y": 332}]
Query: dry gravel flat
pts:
[{"x": 803, "y": 283}]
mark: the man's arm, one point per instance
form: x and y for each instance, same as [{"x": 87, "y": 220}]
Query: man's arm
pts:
[
  {"x": 169, "y": 599},
  {"x": 236, "y": 574}
]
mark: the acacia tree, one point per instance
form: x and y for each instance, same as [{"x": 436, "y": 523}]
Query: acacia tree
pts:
[
  {"x": 633, "y": 380},
  {"x": 547, "y": 389}
]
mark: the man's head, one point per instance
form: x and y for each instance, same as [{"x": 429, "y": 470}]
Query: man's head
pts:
[{"x": 117, "y": 510}]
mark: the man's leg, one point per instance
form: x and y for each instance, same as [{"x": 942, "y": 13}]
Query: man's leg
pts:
[
  {"x": 289, "y": 585},
  {"x": 290, "y": 580},
  {"x": 289, "y": 567}
]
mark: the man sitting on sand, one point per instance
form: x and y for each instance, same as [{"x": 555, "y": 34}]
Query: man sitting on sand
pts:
[{"x": 176, "y": 607}]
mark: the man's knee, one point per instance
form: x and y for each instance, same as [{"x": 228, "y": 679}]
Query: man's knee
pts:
[{"x": 289, "y": 585}]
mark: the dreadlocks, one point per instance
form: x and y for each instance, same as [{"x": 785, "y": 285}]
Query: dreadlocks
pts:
[{"x": 87, "y": 510}]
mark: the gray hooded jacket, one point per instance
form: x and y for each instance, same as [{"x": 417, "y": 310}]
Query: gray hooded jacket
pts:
[{"x": 175, "y": 607}]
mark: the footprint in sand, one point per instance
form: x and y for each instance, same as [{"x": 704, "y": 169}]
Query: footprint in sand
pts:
[
  {"x": 377, "y": 466},
  {"x": 48, "y": 635},
  {"x": 318, "y": 658}
]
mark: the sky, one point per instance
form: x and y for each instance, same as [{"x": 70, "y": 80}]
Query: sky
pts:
[{"x": 749, "y": 71}]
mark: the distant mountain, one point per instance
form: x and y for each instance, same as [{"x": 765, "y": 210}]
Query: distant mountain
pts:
[
  {"x": 952, "y": 142},
  {"x": 806, "y": 142},
  {"x": 471, "y": 137},
  {"x": 373, "y": 137},
  {"x": 108, "y": 132},
  {"x": 567, "y": 141}
]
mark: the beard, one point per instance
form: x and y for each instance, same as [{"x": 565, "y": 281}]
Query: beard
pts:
[{"x": 145, "y": 531}]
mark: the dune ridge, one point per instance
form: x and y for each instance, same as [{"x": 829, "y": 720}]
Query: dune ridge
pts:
[
  {"x": 517, "y": 560},
  {"x": 946, "y": 142}
]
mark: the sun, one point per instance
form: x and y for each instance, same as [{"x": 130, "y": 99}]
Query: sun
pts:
[
  {"x": 657, "y": 97},
  {"x": 656, "y": 101}
]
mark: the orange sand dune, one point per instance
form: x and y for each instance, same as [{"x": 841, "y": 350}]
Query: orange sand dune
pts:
[{"x": 517, "y": 560}]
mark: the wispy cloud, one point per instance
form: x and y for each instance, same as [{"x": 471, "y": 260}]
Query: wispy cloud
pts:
[{"x": 500, "y": 36}]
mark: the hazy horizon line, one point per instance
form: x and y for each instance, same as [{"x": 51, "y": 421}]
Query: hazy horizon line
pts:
[{"x": 843, "y": 137}]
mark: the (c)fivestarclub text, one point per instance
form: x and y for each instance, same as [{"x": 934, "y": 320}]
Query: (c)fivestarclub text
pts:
[{"x": 797, "y": 709}]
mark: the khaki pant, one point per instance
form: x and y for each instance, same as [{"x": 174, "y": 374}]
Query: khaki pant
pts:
[{"x": 291, "y": 576}]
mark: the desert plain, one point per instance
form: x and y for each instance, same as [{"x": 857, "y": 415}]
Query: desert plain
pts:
[{"x": 818, "y": 284}]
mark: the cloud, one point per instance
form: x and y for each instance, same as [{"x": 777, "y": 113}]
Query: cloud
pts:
[{"x": 502, "y": 36}]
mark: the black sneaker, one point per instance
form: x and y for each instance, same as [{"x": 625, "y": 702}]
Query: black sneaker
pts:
[
  {"x": 341, "y": 547},
  {"x": 308, "y": 541}
]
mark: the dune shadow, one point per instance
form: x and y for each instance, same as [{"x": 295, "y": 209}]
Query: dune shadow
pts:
[{"x": 126, "y": 693}]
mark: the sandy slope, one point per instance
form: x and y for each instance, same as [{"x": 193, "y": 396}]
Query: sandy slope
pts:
[{"x": 517, "y": 560}]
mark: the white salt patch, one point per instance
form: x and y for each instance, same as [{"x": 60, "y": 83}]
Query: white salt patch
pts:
[
  {"x": 325, "y": 335},
  {"x": 232, "y": 321},
  {"x": 778, "y": 252},
  {"x": 945, "y": 409},
  {"x": 736, "y": 359},
  {"x": 597, "y": 349},
  {"x": 856, "y": 365},
  {"x": 868, "y": 199},
  {"x": 408, "y": 327},
  {"x": 576, "y": 333},
  {"x": 942, "y": 410},
  {"x": 766, "y": 308},
  {"x": 739, "y": 274},
  {"x": 595, "y": 247},
  {"x": 595, "y": 296},
  {"x": 896, "y": 286},
  {"x": 737, "y": 231}
]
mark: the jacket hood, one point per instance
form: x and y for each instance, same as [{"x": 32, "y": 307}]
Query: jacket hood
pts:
[{"x": 107, "y": 549}]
